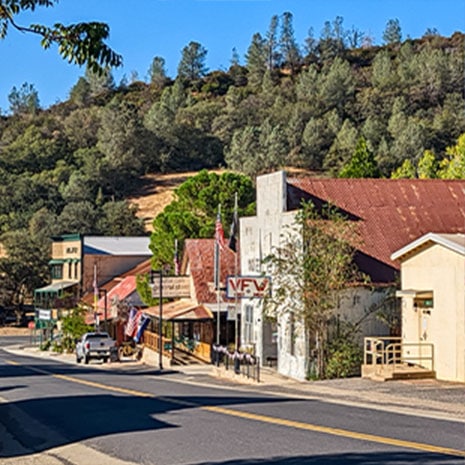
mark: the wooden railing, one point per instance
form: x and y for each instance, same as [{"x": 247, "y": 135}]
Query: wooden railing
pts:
[
  {"x": 201, "y": 350},
  {"x": 151, "y": 340}
]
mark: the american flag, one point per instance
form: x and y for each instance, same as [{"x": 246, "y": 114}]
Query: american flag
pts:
[
  {"x": 219, "y": 233},
  {"x": 133, "y": 320}
]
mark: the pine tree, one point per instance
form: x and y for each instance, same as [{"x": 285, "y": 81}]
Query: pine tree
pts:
[{"x": 192, "y": 64}]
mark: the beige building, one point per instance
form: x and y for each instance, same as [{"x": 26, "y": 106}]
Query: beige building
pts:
[
  {"x": 77, "y": 260},
  {"x": 433, "y": 302}
]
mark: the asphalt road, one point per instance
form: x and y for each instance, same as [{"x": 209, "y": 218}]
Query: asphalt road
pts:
[{"x": 153, "y": 418}]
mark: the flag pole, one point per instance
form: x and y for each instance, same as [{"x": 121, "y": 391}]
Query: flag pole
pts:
[
  {"x": 218, "y": 279},
  {"x": 236, "y": 256}
]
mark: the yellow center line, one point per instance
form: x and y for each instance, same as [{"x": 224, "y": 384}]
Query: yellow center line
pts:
[
  {"x": 337, "y": 431},
  {"x": 263, "y": 418}
]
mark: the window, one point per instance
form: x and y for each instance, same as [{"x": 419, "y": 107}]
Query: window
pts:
[
  {"x": 57, "y": 271},
  {"x": 248, "y": 324},
  {"x": 70, "y": 269}
]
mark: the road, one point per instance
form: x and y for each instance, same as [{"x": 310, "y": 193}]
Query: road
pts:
[{"x": 73, "y": 414}]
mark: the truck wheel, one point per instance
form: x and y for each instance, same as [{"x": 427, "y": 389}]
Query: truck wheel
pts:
[
  {"x": 86, "y": 359},
  {"x": 105, "y": 359}
]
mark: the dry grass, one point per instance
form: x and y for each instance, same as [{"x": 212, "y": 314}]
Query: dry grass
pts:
[{"x": 156, "y": 191}]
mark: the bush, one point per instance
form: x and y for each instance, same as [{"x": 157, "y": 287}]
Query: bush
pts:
[{"x": 345, "y": 359}]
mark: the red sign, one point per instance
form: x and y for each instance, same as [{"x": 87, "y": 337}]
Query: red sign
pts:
[{"x": 247, "y": 287}]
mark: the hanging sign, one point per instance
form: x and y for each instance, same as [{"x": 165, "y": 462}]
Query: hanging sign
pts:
[
  {"x": 247, "y": 287},
  {"x": 172, "y": 287}
]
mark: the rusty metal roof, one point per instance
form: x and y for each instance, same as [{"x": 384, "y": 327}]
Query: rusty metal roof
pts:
[
  {"x": 199, "y": 256},
  {"x": 392, "y": 212}
]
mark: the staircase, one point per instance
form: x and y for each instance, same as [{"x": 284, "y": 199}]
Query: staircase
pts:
[{"x": 391, "y": 359}]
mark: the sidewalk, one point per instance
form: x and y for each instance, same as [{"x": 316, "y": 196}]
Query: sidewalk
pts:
[{"x": 427, "y": 398}]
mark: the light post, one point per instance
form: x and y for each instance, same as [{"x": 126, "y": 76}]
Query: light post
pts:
[{"x": 160, "y": 306}]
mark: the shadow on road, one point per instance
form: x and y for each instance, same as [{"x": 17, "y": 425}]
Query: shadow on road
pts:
[{"x": 365, "y": 458}]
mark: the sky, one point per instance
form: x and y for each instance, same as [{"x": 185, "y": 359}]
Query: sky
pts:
[{"x": 143, "y": 29}]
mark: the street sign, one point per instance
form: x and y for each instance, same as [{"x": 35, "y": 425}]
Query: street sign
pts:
[
  {"x": 172, "y": 287},
  {"x": 247, "y": 287},
  {"x": 232, "y": 312}
]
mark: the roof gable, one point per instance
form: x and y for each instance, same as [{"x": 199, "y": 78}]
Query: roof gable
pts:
[
  {"x": 454, "y": 242},
  {"x": 199, "y": 258}
]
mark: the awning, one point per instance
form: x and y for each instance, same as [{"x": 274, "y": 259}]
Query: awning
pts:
[
  {"x": 181, "y": 310},
  {"x": 56, "y": 287},
  {"x": 56, "y": 261},
  {"x": 414, "y": 293}
]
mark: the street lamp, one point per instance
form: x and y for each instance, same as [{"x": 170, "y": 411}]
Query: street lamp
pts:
[{"x": 160, "y": 304}]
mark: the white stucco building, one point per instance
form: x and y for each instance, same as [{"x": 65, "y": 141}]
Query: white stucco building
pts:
[{"x": 388, "y": 214}]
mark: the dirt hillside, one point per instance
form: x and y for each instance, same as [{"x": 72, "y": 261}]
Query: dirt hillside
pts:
[{"x": 155, "y": 192}]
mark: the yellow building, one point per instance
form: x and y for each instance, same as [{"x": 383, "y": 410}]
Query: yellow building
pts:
[{"x": 433, "y": 301}]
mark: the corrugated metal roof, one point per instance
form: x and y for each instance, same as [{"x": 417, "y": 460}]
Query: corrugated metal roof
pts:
[
  {"x": 392, "y": 212},
  {"x": 115, "y": 245},
  {"x": 199, "y": 253},
  {"x": 142, "y": 268}
]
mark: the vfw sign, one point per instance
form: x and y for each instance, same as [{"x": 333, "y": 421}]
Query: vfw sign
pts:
[{"x": 247, "y": 287}]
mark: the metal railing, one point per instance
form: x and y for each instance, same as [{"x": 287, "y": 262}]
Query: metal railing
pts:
[
  {"x": 391, "y": 351},
  {"x": 242, "y": 363}
]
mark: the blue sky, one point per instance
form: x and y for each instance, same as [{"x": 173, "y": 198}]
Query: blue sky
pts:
[{"x": 142, "y": 29}]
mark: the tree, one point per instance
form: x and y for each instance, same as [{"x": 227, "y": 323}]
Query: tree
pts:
[
  {"x": 289, "y": 49},
  {"x": 256, "y": 60},
  {"x": 271, "y": 43},
  {"x": 362, "y": 164},
  {"x": 314, "y": 263},
  {"x": 81, "y": 43},
  {"x": 193, "y": 211},
  {"x": 24, "y": 100},
  {"x": 23, "y": 269},
  {"x": 120, "y": 219},
  {"x": 192, "y": 64},
  {"x": 157, "y": 72},
  {"x": 392, "y": 33},
  {"x": 405, "y": 171},
  {"x": 99, "y": 81},
  {"x": 453, "y": 166}
]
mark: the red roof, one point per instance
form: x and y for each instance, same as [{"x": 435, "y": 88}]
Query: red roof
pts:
[
  {"x": 199, "y": 253},
  {"x": 392, "y": 212},
  {"x": 142, "y": 268}
]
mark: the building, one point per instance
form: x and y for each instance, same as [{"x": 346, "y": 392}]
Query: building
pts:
[
  {"x": 388, "y": 214},
  {"x": 79, "y": 263},
  {"x": 433, "y": 303}
]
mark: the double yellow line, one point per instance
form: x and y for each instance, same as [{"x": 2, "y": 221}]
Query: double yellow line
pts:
[{"x": 265, "y": 418}]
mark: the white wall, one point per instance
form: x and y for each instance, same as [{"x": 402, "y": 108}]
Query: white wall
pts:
[{"x": 443, "y": 271}]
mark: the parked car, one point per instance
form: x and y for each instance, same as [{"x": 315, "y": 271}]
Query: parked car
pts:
[{"x": 98, "y": 346}]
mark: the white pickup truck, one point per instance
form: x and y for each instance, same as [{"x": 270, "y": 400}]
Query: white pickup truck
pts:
[{"x": 94, "y": 346}]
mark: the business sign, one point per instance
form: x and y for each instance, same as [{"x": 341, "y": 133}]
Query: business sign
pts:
[
  {"x": 247, "y": 287},
  {"x": 172, "y": 287},
  {"x": 44, "y": 314}
]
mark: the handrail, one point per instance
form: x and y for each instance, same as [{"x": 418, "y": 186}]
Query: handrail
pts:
[{"x": 392, "y": 351}]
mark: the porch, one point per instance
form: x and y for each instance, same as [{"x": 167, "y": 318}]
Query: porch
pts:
[
  {"x": 187, "y": 332},
  {"x": 388, "y": 358}
]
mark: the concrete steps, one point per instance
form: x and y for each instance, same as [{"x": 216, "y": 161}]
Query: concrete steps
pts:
[{"x": 396, "y": 372}]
